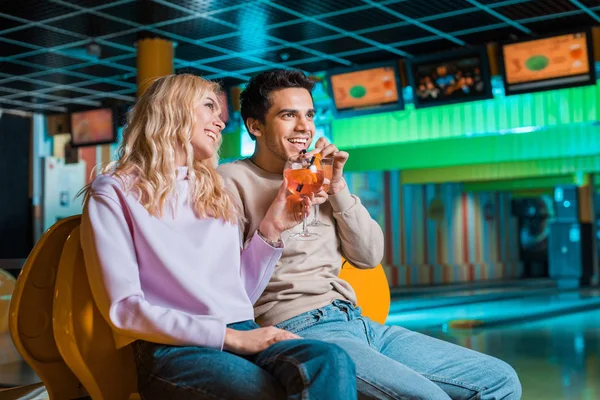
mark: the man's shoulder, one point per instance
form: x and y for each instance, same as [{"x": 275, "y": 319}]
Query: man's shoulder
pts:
[
  {"x": 244, "y": 173},
  {"x": 234, "y": 168},
  {"x": 238, "y": 175}
]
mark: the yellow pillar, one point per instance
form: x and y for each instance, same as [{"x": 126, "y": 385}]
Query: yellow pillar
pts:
[
  {"x": 596, "y": 42},
  {"x": 585, "y": 182},
  {"x": 587, "y": 217},
  {"x": 493, "y": 50},
  {"x": 154, "y": 59}
]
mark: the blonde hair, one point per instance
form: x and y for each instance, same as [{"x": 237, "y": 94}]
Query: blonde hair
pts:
[{"x": 158, "y": 127}]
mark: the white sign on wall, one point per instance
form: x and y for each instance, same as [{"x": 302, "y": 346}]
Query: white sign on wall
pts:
[{"x": 61, "y": 183}]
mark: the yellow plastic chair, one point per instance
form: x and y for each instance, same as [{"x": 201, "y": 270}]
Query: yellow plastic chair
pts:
[
  {"x": 30, "y": 316},
  {"x": 84, "y": 338},
  {"x": 7, "y": 287},
  {"x": 372, "y": 290}
]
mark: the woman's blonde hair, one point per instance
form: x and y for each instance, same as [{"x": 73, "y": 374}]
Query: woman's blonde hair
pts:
[{"x": 160, "y": 126}]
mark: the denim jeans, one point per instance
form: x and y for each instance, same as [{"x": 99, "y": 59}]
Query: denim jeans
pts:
[
  {"x": 290, "y": 369},
  {"x": 395, "y": 363}
]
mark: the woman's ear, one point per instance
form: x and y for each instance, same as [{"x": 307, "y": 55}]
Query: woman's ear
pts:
[{"x": 255, "y": 127}]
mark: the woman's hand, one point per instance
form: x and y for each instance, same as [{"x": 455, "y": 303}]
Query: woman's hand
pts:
[
  {"x": 254, "y": 341},
  {"x": 285, "y": 213}
]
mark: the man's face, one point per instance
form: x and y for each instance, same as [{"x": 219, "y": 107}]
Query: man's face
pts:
[{"x": 289, "y": 125}]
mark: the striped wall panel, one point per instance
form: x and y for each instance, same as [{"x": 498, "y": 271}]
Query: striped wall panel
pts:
[{"x": 473, "y": 238}]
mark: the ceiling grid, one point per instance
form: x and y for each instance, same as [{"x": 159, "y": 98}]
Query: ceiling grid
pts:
[{"x": 49, "y": 60}]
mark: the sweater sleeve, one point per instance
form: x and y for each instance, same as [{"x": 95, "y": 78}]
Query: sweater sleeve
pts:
[
  {"x": 113, "y": 274},
  {"x": 258, "y": 259},
  {"x": 258, "y": 262},
  {"x": 361, "y": 236}
]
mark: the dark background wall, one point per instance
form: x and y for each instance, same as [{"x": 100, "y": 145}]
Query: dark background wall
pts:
[{"x": 16, "y": 236}]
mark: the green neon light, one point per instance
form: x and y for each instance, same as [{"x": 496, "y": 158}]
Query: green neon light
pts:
[{"x": 543, "y": 109}]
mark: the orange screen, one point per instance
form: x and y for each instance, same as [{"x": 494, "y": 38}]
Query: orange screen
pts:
[
  {"x": 555, "y": 57},
  {"x": 95, "y": 126},
  {"x": 365, "y": 88}
]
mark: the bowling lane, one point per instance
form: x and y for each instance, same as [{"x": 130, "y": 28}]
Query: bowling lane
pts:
[
  {"x": 498, "y": 312},
  {"x": 468, "y": 287},
  {"x": 459, "y": 297}
]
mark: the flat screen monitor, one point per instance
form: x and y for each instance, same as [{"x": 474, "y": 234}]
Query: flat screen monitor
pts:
[
  {"x": 546, "y": 63},
  {"x": 367, "y": 90},
  {"x": 93, "y": 127},
  {"x": 450, "y": 77}
]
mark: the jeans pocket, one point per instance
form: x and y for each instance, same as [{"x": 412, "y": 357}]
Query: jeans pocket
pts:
[
  {"x": 302, "y": 321},
  {"x": 139, "y": 347},
  {"x": 368, "y": 330},
  {"x": 142, "y": 361}
]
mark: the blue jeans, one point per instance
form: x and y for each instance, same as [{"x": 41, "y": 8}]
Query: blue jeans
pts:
[
  {"x": 395, "y": 363},
  {"x": 290, "y": 369}
]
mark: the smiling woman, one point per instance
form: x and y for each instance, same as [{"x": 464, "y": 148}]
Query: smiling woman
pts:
[
  {"x": 171, "y": 127},
  {"x": 206, "y": 134}
]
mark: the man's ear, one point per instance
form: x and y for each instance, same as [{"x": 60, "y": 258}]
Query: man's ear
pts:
[{"x": 255, "y": 127}]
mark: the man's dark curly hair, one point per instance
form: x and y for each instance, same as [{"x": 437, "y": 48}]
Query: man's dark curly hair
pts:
[{"x": 256, "y": 98}]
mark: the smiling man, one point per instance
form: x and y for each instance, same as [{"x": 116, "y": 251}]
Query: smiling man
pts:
[{"x": 305, "y": 294}]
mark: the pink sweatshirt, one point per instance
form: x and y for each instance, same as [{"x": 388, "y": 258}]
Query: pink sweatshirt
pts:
[{"x": 176, "y": 279}]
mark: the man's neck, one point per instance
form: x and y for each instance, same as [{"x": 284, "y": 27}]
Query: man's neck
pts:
[{"x": 267, "y": 161}]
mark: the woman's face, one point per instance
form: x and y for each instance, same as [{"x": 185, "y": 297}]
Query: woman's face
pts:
[{"x": 206, "y": 133}]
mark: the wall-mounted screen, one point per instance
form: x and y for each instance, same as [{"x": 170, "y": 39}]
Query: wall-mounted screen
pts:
[
  {"x": 366, "y": 90},
  {"x": 548, "y": 63},
  {"x": 93, "y": 127},
  {"x": 450, "y": 77}
]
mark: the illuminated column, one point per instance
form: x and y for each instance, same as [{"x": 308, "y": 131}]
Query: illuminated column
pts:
[
  {"x": 154, "y": 59},
  {"x": 572, "y": 242}
]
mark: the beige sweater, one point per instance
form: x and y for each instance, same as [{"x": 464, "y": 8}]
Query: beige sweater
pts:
[{"x": 306, "y": 276}]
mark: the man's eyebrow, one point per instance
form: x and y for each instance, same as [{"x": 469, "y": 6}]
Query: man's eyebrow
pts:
[
  {"x": 294, "y": 111},
  {"x": 287, "y": 110}
]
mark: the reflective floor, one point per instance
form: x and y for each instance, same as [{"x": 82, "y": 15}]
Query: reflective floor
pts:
[{"x": 555, "y": 357}]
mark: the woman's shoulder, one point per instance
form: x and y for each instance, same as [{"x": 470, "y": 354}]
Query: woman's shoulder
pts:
[{"x": 109, "y": 184}]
